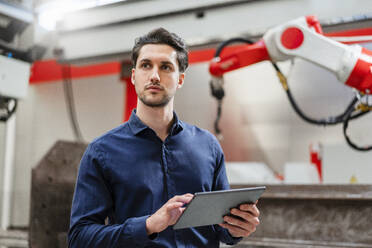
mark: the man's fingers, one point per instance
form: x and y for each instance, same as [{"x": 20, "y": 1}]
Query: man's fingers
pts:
[
  {"x": 186, "y": 198},
  {"x": 252, "y": 208},
  {"x": 235, "y": 230},
  {"x": 243, "y": 221},
  {"x": 179, "y": 201},
  {"x": 174, "y": 205},
  {"x": 246, "y": 216},
  {"x": 240, "y": 223}
]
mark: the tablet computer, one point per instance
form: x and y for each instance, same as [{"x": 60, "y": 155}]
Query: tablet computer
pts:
[{"x": 209, "y": 208}]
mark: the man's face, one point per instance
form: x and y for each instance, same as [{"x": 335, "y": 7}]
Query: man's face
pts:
[{"x": 156, "y": 76}]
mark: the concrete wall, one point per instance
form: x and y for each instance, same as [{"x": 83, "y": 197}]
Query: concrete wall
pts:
[{"x": 42, "y": 119}]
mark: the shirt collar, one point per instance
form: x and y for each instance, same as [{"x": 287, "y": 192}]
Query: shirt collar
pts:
[{"x": 138, "y": 126}]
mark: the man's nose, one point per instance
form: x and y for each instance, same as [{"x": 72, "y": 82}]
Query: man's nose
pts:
[{"x": 155, "y": 78}]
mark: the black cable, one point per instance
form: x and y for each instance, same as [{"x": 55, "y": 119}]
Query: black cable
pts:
[
  {"x": 349, "y": 114},
  {"x": 70, "y": 102},
  {"x": 217, "y": 89},
  {"x": 333, "y": 120},
  {"x": 347, "y": 138},
  {"x": 219, "y": 110},
  {"x": 228, "y": 42}
]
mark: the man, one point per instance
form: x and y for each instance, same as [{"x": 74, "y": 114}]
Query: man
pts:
[{"x": 138, "y": 176}]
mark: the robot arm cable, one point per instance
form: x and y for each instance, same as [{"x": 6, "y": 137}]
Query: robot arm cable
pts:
[
  {"x": 351, "y": 112},
  {"x": 216, "y": 84}
]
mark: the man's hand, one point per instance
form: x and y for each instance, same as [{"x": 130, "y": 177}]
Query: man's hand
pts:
[
  {"x": 243, "y": 221},
  {"x": 168, "y": 214}
]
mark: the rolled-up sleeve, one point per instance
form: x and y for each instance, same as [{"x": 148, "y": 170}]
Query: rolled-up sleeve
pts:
[{"x": 93, "y": 203}]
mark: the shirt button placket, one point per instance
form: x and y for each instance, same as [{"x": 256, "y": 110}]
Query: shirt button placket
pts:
[
  {"x": 171, "y": 189},
  {"x": 166, "y": 169}
]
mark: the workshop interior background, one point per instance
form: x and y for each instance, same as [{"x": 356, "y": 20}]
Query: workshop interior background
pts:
[{"x": 263, "y": 138}]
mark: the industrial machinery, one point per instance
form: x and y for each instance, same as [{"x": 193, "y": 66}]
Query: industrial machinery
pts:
[
  {"x": 303, "y": 38},
  {"x": 15, "y": 59},
  {"x": 14, "y": 76}
]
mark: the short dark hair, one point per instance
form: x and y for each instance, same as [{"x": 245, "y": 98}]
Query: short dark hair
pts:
[{"x": 162, "y": 36}]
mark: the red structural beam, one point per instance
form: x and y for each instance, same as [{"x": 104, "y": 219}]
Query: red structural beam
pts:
[
  {"x": 131, "y": 98},
  {"x": 49, "y": 70}
]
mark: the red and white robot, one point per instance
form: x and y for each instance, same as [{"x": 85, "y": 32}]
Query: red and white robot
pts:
[{"x": 303, "y": 38}]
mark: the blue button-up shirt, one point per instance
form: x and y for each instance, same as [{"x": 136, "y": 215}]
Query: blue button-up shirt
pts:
[{"x": 129, "y": 173}]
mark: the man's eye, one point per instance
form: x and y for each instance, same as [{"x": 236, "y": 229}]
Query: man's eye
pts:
[
  {"x": 145, "y": 65},
  {"x": 166, "y": 67}
]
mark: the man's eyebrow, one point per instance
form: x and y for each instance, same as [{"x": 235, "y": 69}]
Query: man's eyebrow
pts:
[
  {"x": 145, "y": 60},
  {"x": 166, "y": 62}
]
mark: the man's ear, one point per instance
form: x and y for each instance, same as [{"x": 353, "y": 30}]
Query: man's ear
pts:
[
  {"x": 181, "y": 80},
  {"x": 133, "y": 77}
]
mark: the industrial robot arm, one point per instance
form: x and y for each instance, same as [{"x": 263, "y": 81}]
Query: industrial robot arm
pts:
[{"x": 302, "y": 38}]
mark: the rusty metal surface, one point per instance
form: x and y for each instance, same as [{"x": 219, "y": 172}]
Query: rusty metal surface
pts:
[
  {"x": 313, "y": 216},
  {"x": 52, "y": 187}
]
